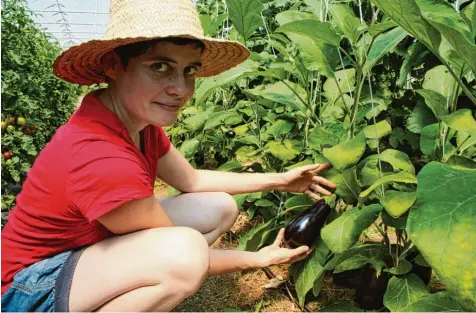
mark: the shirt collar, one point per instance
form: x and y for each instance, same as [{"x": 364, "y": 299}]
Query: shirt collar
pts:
[{"x": 94, "y": 110}]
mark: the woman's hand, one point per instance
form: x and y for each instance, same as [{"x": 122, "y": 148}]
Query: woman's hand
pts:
[
  {"x": 274, "y": 254},
  {"x": 304, "y": 179}
]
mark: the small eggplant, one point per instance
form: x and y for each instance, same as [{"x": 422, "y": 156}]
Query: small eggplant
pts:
[
  {"x": 371, "y": 290},
  {"x": 306, "y": 227},
  {"x": 230, "y": 134}
]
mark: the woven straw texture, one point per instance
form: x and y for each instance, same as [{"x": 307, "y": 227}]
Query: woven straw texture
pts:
[{"x": 138, "y": 20}]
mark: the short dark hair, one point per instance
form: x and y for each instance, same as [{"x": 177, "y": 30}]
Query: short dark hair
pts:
[{"x": 132, "y": 50}]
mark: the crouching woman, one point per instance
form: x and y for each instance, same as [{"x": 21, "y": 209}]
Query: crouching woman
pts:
[{"x": 87, "y": 233}]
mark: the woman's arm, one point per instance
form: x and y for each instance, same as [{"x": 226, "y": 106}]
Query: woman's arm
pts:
[
  {"x": 177, "y": 172},
  {"x": 136, "y": 215}
]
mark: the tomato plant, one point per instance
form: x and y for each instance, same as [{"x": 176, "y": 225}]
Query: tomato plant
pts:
[{"x": 34, "y": 102}]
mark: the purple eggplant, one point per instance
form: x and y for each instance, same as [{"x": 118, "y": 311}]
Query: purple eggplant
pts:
[
  {"x": 306, "y": 227},
  {"x": 371, "y": 290}
]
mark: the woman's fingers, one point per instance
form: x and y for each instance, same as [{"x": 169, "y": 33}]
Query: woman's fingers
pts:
[
  {"x": 322, "y": 181},
  {"x": 320, "y": 190},
  {"x": 279, "y": 238},
  {"x": 322, "y": 167},
  {"x": 312, "y": 195}
]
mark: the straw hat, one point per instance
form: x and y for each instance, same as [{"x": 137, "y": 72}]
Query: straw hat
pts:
[{"x": 138, "y": 20}]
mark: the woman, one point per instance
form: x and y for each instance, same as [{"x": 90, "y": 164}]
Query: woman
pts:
[{"x": 87, "y": 233}]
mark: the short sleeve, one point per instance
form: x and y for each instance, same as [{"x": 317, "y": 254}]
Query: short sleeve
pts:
[
  {"x": 103, "y": 177},
  {"x": 163, "y": 142}
]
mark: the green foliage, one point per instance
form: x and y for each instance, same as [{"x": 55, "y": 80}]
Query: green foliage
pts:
[
  {"x": 29, "y": 90},
  {"x": 446, "y": 209},
  {"x": 379, "y": 89}
]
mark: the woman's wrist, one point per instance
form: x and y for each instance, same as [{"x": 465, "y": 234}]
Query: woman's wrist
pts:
[{"x": 276, "y": 181}]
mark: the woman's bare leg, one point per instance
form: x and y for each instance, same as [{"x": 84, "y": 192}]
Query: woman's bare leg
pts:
[
  {"x": 211, "y": 213},
  {"x": 149, "y": 270}
]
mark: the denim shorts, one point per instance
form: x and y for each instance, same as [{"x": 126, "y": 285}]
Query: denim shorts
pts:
[{"x": 43, "y": 286}]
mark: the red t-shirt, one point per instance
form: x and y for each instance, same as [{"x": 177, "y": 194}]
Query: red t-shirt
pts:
[{"x": 90, "y": 167}]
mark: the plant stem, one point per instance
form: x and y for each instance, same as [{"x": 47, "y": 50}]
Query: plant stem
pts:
[
  {"x": 360, "y": 84},
  {"x": 384, "y": 235},
  {"x": 354, "y": 63},
  {"x": 301, "y": 99}
]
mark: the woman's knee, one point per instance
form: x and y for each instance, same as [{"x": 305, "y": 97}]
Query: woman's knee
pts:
[
  {"x": 229, "y": 208},
  {"x": 188, "y": 259}
]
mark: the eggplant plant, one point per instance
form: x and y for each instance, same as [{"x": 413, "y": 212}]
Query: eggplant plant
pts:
[{"x": 384, "y": 90}]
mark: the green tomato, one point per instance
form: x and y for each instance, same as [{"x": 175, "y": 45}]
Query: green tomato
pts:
[{"x": 10, "y": 128}]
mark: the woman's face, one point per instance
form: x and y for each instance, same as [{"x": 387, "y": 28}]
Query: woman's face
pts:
[{"x": 157, "y": 84}]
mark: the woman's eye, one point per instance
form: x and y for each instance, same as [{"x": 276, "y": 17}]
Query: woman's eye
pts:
[
  {"x": 160, "y": 67},
  {"x": 191, "y": 70}
]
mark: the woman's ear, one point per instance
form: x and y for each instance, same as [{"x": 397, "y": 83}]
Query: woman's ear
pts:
[{"x": 112, "y": 64}]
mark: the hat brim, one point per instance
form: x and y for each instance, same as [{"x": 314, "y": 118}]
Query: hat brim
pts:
[{"x": 82, "y": 64}]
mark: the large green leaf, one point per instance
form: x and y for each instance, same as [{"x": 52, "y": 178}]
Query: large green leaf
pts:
[
  {"x": 346, "y": 154},
  {"x": 399, "y": 160},
  {"x": 396, "y": 202},
  {"x": 319, "y": 137},
  {"x": 435, "y": 101},
  {"x": 469, "y": 15},
  {"x": 316, "y": 7},
  {"x": 383, "y": 44},
  {"x": 318, "y": 31},
  {"x": 461, "y": 120},
  {"x": 279, "y": 128},
  {"x": 207, "y": 85},
  {"x": 281, "y": 93},
  {"x": 251, "y": 241},
  {"x": 369, "y": 173},
  {"x": 316, "y": 56},
  {"x": 403, "y": 292},
  {"x": 435, "y": 302},
  {"x": 197, "y": 121},
  {"x": 442, "y": 16},
  {"x": 356, "y": 257},
  {"x": 292, "y": 16},
  {"x": 400, "y": 177},
  {"x": 461, "y": 162},
  {"x": 406, "y": 13},
  {"x": 378, "y": 28},
  {"x": 227, "y": 117},
  {"x": 245, "y": 15},
  {"x": 343, "y": 232},
  {"x": 439, "y": 79},
  {"x": 346, "y": 20},
  {"x": 210, "y": 26},
  {"x": 308, "y": 271},
  {"x": 429, "y": 139},
  {"x": 231, "y": 166},
  {"x": 286, "y": 150},
  {"x": 343, "y": 80},
  {"x": 300, "y": 202},
  {"x": 189, "y": 147},
  {"x": 379, "y": 130},
  {"x": 441, "y": 224},
  {"x": 348, "y": 187},
  {"x": 420, "y": 117}
]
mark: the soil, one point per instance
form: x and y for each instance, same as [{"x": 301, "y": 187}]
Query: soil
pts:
[{"x": 245, "y": 291}]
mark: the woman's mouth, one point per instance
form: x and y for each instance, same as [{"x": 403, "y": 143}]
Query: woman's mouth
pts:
[{"x": 169, "y": 107}]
